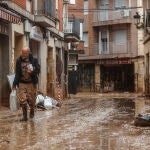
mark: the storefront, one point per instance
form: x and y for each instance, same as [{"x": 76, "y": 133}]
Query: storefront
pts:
[
  {"x": 6, "y": 17},
  {"x": 117, "y": 75},
  {"x": 86, "y": 76}
]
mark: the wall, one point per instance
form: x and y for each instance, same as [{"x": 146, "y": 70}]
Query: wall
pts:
[
  {"x": 21, "y": 3},
  {"x": 79, "y": 5}
]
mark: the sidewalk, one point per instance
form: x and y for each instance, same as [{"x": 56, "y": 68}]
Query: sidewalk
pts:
[{"x": 106, "y": 95}]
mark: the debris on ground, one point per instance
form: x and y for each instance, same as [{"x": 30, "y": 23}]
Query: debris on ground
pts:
[
  {"x": 142, "y": 120},
  {"x": 46, "y": 102}
]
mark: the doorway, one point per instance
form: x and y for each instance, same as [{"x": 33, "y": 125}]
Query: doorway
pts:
[
  {"x": 4, "y": 70},
  {"x": 121, "y": 76}
]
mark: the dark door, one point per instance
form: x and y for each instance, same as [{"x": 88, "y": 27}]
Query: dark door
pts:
[
  {"x": 4, "y": 69},
  {"x": 72, "y": 82}
]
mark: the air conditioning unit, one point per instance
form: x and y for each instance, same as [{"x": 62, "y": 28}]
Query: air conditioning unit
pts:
[{"x": 27, "y": 26}]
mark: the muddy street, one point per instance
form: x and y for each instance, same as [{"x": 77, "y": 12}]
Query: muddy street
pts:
[{"x": 82, "y": 123}]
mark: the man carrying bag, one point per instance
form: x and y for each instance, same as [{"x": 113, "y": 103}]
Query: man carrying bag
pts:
[{"x": 26, "y": 79}]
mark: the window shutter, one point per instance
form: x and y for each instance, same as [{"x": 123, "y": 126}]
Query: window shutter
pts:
[
  {"x": 120, "y": 37},
  {"x": 49, "y": 7},
  {"x": 120, "y": 3}
]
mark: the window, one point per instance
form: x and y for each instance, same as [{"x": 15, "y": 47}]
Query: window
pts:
[
  {"x": 85, "y": 7},
  {"x": 81, "y": 31},
  {"x": 28, "y": 5},
  {"x": 49, "y": 7},
  {"x": 70, "y": 27},
  {"x": 120, "y": 37},
  {"x": 72, "y": 1},
  {"x": 120, "y": 3},
  {"x": 85, "y": 39}
]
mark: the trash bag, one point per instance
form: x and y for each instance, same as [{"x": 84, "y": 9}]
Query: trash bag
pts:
[
  {"x": 39, "y": 99},
  {"x": 48, "y": 102},
  {"x": 13, "y": 101},
  {"x": 11, "y": 79}
]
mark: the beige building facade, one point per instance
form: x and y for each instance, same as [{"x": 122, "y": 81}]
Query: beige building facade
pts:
[
  {"x": 146, "y": 6},
  {"x": 42, "y": 33}
]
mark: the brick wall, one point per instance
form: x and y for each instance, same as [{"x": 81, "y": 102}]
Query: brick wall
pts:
[
  {"x": 94, "y": 31},
  {"x": 21, "y": 3},
  {"x": 79, "y": 5}
]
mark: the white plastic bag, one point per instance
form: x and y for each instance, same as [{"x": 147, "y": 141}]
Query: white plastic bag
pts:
[
  {"x": 39, "y": 99},
  {"x": 48, "y": 102},
  {"x": 13, "y": 101},
  {"x": 11, "y": 79},
  {"x": 54, "y": 102}
]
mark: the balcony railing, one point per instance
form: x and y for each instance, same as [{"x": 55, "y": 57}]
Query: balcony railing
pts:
[
  {"x": 111, "y": 48},
  {"x": 106, "y": 15},
  {"x": 72, "y": 27}
]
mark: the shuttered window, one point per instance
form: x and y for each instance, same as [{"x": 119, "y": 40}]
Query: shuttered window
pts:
[
  {"x": 49, "y": 7},
  {"x": 120, "y": 37},
  {"x": 120, "y": 3}
]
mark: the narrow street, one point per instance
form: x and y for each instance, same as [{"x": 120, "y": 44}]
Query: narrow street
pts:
[{"x": 84, "y": 122}]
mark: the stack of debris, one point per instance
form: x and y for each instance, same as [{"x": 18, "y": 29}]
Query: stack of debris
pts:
[{"x": 46, "y": 103}]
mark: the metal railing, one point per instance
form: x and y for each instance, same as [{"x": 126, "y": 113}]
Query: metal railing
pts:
[
  {"x": 106, "y": 15},
  {"x": 73, "y": 26},
  {"x": 111, "y": 48}
]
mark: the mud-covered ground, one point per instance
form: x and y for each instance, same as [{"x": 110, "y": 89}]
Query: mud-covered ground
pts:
[{"x": 84, "y": 122}]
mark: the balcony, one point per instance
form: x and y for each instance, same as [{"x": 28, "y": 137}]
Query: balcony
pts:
[
  {"x": 109, "y": 49},
  {"x": 44, "y": 19},
  {"x": 72, "y": 30},
  {"x": 102, "y": 18}
]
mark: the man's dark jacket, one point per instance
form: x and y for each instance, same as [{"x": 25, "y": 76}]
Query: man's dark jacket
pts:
[{"x": 34, "y": 74}]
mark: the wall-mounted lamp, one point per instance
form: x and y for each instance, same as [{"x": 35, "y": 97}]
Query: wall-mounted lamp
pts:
[{"x": 137, "y": 21}]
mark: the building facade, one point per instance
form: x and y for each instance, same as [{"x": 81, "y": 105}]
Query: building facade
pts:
[
  {"x": 7, "y": 17},
  {"x": 73, "y": 35},
  {"x": 146, "y": 6},
  {"x": 114, "y": 58},
  {"x": 40, "y": 29}
]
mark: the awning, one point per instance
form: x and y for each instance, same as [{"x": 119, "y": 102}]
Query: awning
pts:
[{"x": 9, "y": 16}]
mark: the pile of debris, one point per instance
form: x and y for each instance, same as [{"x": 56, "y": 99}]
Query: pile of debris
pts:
[
  {"x": 142, "y": 120},
  {"x": 46, "y": 102}
]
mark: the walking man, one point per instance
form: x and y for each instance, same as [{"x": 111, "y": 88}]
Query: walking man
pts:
[{"x": 26, "y": 78}]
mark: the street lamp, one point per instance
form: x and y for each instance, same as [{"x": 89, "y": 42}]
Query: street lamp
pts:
[{"x": 137, "y": 21}]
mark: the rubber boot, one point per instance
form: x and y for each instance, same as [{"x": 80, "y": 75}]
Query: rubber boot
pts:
[
  {"x": 24, "y": 111},
  {"x": 32, "y": 113}
]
